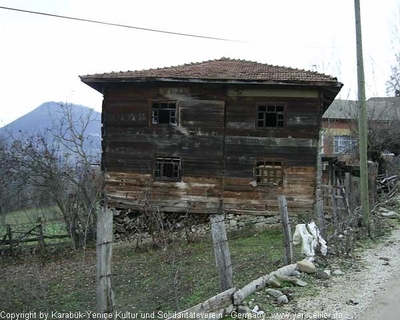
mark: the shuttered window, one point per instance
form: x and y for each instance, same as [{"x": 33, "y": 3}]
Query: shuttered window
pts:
[
  {"x": 269, "y": 172},
  {"x": 167, "y": 169}
]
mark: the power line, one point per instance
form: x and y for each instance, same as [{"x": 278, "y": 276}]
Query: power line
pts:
[{"x": 120, "y": 25}]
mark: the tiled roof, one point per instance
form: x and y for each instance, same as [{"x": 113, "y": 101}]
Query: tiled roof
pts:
[
  {"x": 341, "y": 109},
  {"x": 224, "y": 69},
  {"x": 381, "y": 109}
]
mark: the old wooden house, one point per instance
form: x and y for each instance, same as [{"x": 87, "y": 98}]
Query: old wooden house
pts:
[{"x": 217, "y": 136}]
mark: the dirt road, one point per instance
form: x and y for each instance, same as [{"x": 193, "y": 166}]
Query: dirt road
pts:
[
  {"x": 385, "y": 305},
  {"x": 370, "y": 290}
]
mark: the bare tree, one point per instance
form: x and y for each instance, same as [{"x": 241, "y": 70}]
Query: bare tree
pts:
[{"x": 56, "y": 166}]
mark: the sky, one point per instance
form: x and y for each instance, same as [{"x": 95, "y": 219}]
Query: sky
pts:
[{"x": 42, "y": 57}]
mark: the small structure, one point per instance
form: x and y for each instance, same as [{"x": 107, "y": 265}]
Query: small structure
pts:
[{"x": 217, "y": 136}]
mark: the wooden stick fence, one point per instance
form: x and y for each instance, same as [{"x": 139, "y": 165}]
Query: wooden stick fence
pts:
[{"x": 36, "y": 233}]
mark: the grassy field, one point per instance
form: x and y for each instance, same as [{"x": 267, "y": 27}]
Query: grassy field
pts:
[
  {"x": 32, "y": 215},
  {"x": 143, "y": 281},
  {"x": 22, "y": 221}
]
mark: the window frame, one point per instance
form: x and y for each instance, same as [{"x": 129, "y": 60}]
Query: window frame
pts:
[
  {"x": 266, "y": 111},
  {"x": 155, "y": 112},
  {"x": 160, "y": 164},
  {"x": 343, "y": 144},
  {"x": 274, "y": 166}
]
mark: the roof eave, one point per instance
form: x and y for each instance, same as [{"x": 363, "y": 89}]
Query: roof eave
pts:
[{"x": 98, "y": 83}]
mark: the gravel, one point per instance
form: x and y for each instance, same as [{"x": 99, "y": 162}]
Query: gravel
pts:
[{"x": 347, "y": 296}]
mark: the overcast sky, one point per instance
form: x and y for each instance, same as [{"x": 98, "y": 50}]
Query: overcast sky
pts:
[{"x": 42, "y": 57}]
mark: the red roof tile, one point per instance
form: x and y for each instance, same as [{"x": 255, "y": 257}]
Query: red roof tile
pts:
[{"x": 220, "y": 70}]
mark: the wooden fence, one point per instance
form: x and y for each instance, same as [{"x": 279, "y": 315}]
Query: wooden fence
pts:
[{"x": 13, "y": 239}]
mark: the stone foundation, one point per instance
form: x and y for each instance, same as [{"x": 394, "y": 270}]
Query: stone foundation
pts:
[{"x": 130, "y": 225}]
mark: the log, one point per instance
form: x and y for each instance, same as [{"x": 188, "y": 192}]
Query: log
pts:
[
  {"x": 216, "y": 304},
  {"x": 250, "y": 288}
]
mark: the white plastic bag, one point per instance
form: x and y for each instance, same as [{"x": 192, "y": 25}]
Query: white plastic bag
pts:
[{"x": 309, "y": 237}]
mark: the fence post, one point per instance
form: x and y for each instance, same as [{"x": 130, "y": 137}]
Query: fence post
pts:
[
  {"x": 372, "y": 173},
  {"x": 334, "y": 210},
  {"x": 10, "y": 238},
  {"x": 221, "y": 250},
  {"x": 288, "y": 257},
  {"x": 105, "y": 301},
  {"x": 348, "y": 191},
  {"x": 42, "y": 243}
]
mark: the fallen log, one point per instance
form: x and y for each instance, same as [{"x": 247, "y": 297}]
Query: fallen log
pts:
[
  {"x": 250, "y": 288},
  {"x": 216, "y": 304}
]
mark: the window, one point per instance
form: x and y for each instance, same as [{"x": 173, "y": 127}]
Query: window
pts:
[
  {"x": 270, "y": 116},
  {"x": 269, "y": 172},
  {"x": 344, "y": 145},
  {"x": 164, "y": 113},
  {"x": 168, "y": 169}
]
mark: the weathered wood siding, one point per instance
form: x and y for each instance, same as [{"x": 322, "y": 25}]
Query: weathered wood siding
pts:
[{"x": 218, "y": 142}]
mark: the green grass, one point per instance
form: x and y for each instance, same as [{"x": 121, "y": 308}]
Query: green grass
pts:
[
  {"x": 22, "y": 221},
  {"x": 143, "y": 281},
  {"x": 32, "y": 215}
]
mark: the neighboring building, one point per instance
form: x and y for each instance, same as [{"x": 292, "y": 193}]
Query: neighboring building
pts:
[
  {"x": 338, "y": 131},
  {"x": 340, "y": 126},
  {"x": 217, "y": 136}
]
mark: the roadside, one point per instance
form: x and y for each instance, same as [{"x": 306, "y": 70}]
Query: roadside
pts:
[{"x": 369, "y": 285}]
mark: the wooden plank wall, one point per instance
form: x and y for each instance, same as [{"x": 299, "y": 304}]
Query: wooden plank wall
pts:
[{"x": 214, "y": 157}]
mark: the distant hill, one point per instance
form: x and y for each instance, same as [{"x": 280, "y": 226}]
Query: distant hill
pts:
[{"x": 51, "y": 116}]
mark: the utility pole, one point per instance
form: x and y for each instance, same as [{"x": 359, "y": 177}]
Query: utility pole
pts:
[{"x": 362, "y": 120}]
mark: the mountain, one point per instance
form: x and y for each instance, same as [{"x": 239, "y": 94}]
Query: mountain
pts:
[{"x": 58, "y": 117}]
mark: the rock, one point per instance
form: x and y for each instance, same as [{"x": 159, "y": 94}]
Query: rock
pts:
[
  {"x": 282, "y": 300},
  {"x": 274, "y": 282},
  {"x": 351, "y": 302},
  {"x": 390, "y": 214},
  {"x": 286, "y": 270},
  {"x": 300, "y": 283},
  {"x": 284, "y": 278},
  {"x": 274, "y": 293},
  {"x": 337, "y": 272},
  {"x": 296, "y": 273},
  {"x": 320, "y": 261},
  {"x": 243, "y": 310},
  {"x": 287, "y": 291},
  {"x": 305, "y": 266},
  {"x": 323, "y": 274}
]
